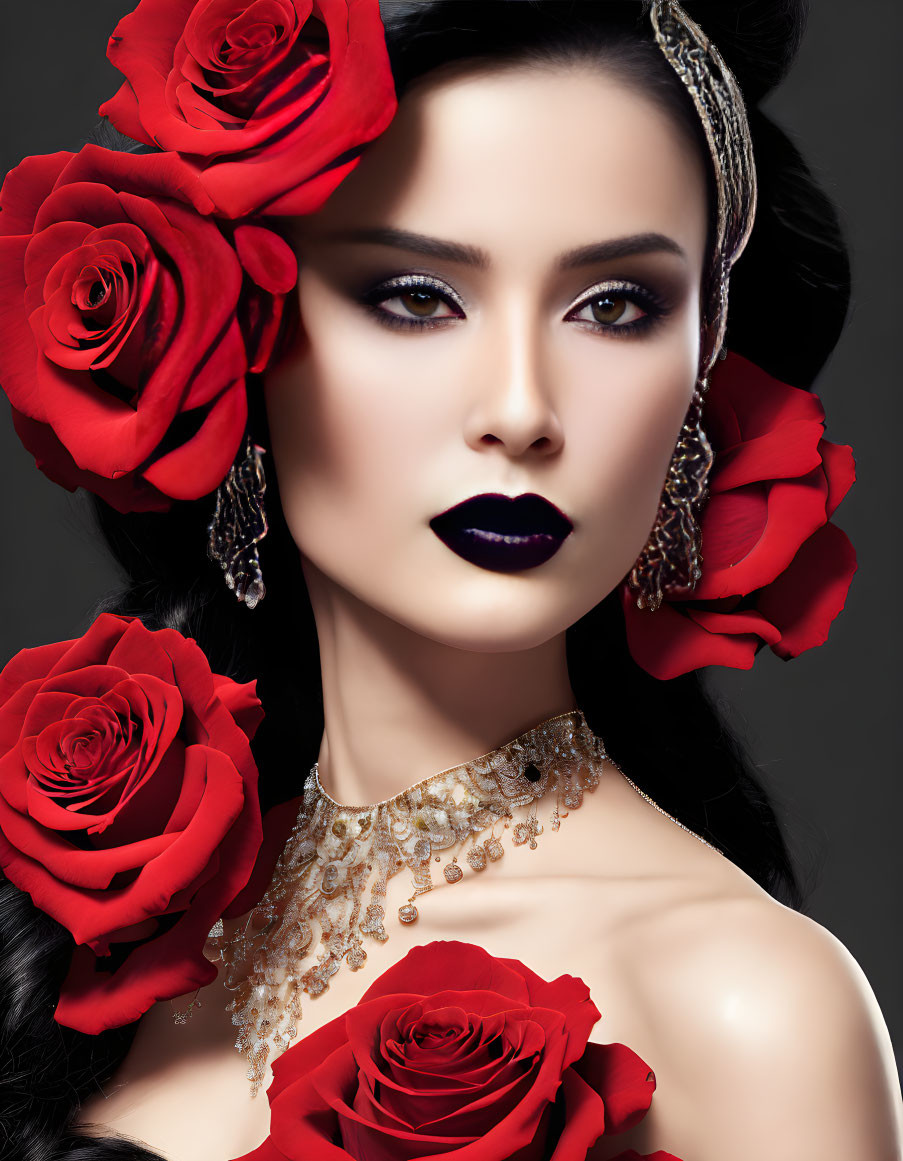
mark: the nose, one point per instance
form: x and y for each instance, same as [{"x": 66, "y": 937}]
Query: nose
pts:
[{"x": 513, "y": 402}]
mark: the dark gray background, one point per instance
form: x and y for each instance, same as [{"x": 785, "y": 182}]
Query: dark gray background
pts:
[{"x": 824, "y": 728}]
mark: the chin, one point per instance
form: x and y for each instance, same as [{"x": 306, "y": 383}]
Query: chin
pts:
[{"x": 512, "y": 625}]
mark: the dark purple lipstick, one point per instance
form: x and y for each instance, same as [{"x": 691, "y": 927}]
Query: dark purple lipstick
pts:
[{"x": 501, "y": 533}]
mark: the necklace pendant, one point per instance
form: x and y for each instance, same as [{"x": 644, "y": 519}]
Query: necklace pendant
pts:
[
  {"x": 452, "y": 872},
  {"x": 494, "y": 849},
  {"x": 372, "y": 923},
  {"x": 408, "y": 913},
  {"x": 526, "y": 832},
  {"x": 356, "y": 957},
  {"x": 476, "y": 858}
]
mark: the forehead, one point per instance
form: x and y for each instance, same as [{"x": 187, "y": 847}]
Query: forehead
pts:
[{"x": 546, "y": 153}]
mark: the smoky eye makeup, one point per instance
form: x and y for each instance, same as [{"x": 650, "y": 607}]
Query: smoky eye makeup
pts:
[
  {"x": 413, "y": 300},
  {"x": 618, "y": 308},
  {"x": 417, "y": 301}
]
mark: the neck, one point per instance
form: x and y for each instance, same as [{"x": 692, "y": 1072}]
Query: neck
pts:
[{"x": 399, "y": 707}]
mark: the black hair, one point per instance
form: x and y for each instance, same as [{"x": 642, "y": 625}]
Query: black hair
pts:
[{"x": 690, "y": 762}]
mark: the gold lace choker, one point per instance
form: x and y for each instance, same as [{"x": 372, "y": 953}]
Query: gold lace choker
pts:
[{"x": 316, "y": 898}]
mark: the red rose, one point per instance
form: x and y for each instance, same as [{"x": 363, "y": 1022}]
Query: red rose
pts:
[
  {"x": 270, "y": 100},
  {"x": 121, "y": 349},
  {"x": 454, "y": 1053},
  {"x": 774, "y": 570},
  {"x": 128, "y": 808}
]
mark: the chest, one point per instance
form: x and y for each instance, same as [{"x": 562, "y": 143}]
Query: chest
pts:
[{"x": 183, "y": 1090}]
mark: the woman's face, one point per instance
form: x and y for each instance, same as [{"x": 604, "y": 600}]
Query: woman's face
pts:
[{"x": 503, "y": 298}]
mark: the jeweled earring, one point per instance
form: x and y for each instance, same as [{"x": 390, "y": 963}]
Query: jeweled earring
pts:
[
  {"x": 239, "y": 524},
  {"x": 672, "y": 554}
]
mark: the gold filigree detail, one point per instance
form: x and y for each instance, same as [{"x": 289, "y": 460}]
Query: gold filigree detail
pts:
[{"x": 315, "y": 902}]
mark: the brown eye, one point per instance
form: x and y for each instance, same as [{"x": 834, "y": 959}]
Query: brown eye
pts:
[
  {"x": 420, "y": 303},
  {"x": 615, "y": 310},
  {"x": 409, "y": 302},
  {"x": 608, "y": 309}
]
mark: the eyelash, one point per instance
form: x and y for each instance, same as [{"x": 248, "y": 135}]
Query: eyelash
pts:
[{"x": 654, "y": 307}]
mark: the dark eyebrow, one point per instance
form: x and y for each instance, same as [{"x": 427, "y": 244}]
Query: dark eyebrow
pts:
[
  {"x": 621, "y": 248},
  {"x": 473, "y": 256}
]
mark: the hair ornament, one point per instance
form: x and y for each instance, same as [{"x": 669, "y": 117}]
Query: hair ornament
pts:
[{"x": 722, "y": 111}]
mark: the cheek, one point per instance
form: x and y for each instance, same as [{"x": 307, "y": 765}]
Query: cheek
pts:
[
  {"x": 622, "y": 423},
  {"x": 346, "y": 423}
]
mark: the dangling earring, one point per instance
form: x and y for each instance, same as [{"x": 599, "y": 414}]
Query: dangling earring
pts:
[
  {"x": 672, "y": 553},
  {"x": 239, "y": 524}
]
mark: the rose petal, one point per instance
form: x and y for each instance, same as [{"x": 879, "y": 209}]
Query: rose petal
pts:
[{"x": 806, "y": 599}]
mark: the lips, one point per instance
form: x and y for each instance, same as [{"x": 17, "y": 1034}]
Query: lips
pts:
[{"x": 503, "y": 534}]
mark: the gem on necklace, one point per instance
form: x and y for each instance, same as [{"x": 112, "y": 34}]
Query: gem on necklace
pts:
[
  {"x": 494, "y": 848},
  {"x": 356, "y": 957},
  {"x": 314, "y": 985},
  {"x": 316, "y": 979},
  {"x": 531, "y": 773},
  {"x": 299, "y": 939},
  {"x": 338, "y": 828},
  {"x": 330, "y": 879},
  {"x": 408, "y": 913},
  {"x": 527, "y": 832},
  {"x": 452, "y": 872},
  {"x": 476, "y": 857},
  {"x": 422, "y": 850},
  {"x": 372, "y": 923}
]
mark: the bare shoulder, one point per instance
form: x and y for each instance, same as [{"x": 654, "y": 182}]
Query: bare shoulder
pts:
[{"x": 772, "y": 1029}]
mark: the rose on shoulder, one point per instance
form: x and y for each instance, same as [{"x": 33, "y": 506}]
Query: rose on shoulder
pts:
[
  {"x": 455, "y": 1053},
  {"x": 128, "y": 808}
]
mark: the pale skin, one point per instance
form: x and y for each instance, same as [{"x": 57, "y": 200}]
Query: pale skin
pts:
[{"x": 764, "y": 1035}]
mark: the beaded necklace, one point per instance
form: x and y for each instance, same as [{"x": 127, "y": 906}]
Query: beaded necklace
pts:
[{"x": 316, "y": 899}]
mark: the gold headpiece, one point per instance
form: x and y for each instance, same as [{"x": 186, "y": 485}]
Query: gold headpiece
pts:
[{"x": 722, "y": 111}]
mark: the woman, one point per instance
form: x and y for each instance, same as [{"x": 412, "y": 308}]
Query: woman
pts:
[{"x": 515, "y": 292}]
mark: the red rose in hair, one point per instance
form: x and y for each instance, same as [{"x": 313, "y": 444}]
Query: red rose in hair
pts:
[
  {"x": 128, "y": 808},
  {"x": 775, "y": 571},
  {"x": 270, "y": 100},
  {"x": 453, "y": 1053},
  {"x": 122, "y": 352}
]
